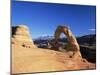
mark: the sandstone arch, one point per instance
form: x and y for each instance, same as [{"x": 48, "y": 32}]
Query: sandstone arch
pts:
[{"x": 71, "y": 39}]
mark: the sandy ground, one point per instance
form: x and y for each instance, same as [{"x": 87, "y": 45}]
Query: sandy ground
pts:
[{"x": 25, "y": 60}]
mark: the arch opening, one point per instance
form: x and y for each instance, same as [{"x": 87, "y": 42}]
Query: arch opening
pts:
[{"x": 72, "y": 44}]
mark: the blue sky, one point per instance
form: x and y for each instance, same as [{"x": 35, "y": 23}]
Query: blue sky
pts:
[{"x": 43, "y": 18}]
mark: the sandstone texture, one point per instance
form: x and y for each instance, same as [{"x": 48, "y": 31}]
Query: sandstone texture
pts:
[
  {"x": 27, "y": 58},
  {"x": 31, "y": 60},
  {"x": 73, "y": 44},
  {"x": 21, "y": 36}
]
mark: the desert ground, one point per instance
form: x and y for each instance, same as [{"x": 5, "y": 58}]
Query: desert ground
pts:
[{"x": 28, "y": 58}]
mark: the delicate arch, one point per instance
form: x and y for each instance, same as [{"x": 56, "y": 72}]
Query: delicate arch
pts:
[{"x": 71, "y": 38}]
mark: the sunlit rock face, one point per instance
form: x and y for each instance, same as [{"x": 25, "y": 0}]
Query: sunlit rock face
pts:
[
  {"x": 21, "y": 36},
  {"x": 73, "y": 48},
  {"x": 27, "y": 58}
]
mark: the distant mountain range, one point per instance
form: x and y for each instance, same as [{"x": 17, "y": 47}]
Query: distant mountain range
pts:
[
  {"x": 45, "y": 38},
  {"x": 86, "y": 39}
]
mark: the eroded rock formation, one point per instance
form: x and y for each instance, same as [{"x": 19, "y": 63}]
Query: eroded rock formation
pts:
[
  {"x": 73, "y": 47},
  {"x": 21, "y": 36},
  {"x": 32, "y": 60}
]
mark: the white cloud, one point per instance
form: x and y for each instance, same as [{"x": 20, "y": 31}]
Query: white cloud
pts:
[{"x": 92, "y": 29}]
